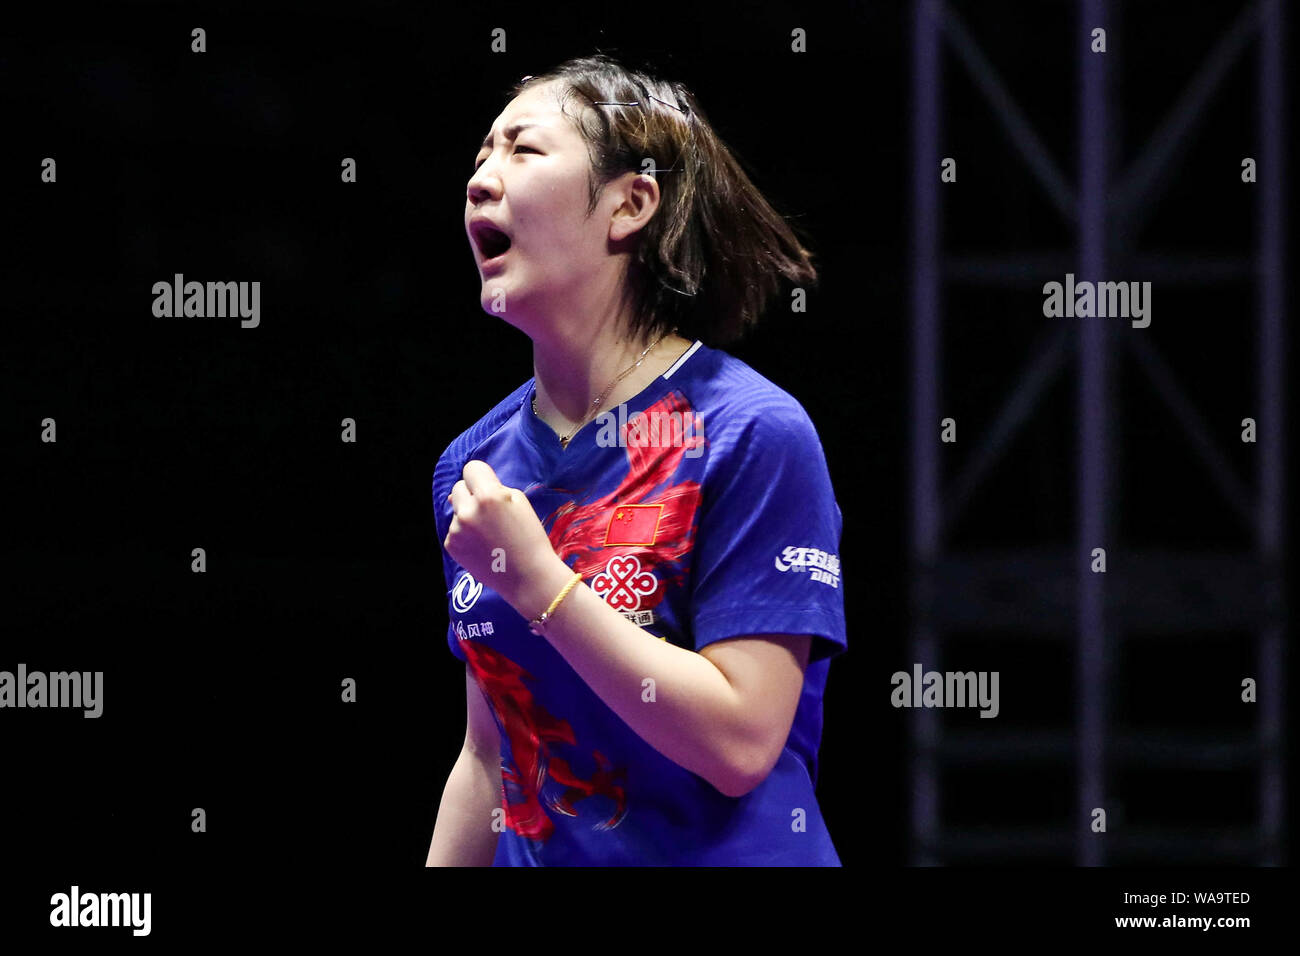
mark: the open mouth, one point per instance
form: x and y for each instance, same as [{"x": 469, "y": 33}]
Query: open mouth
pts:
[{"x": 492, "y": 242}]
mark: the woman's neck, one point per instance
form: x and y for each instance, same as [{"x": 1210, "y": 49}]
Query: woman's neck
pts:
[{"x": 570, "y": 376}]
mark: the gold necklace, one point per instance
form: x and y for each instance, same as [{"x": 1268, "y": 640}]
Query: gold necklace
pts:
[{"x": 564, "y": 441}]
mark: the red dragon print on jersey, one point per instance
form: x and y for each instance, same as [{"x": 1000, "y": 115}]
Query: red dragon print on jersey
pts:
[
  {"x": 532, "y": 732},
  {"x": 578, "y": 531}
]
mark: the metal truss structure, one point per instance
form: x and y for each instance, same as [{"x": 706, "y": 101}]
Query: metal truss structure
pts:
[{"x": 1057, "y": 591}]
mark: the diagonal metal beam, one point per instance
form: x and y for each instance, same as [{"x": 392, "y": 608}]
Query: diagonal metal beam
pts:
[
  {"x": 1145, "y": 180},
  {"x": 1009, "y": 114},
  {"x": 1049, "y": 355},
  {"x": 1162, "y": 377}
]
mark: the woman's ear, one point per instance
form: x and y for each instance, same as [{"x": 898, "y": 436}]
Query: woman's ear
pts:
[{"x": 639, "y": 203}]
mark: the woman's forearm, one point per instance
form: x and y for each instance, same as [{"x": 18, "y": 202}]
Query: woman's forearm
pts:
[
  {"x": 464, "y": 834},
  {"x": 675, "y": 699}
]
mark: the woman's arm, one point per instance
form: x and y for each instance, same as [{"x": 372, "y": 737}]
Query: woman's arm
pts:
[
  {"x": 725, "y": 721},
  {"x": 723, "y": 713},
  {"x": 464, "y": 834}
]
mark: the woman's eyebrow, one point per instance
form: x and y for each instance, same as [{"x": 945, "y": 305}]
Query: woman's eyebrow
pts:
[{"x": 510, "y": 133}]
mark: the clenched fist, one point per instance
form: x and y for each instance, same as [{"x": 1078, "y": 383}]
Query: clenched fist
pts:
[{"x": 487, "y": 515}]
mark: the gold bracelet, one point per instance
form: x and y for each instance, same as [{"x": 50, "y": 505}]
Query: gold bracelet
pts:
[{"x": 537, "y": 624}]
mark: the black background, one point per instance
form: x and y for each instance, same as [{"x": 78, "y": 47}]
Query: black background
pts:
[{"x": 222, "y": 689}]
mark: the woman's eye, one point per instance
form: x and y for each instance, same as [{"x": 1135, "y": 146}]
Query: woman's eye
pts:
[{"x": 518, "y": 147}]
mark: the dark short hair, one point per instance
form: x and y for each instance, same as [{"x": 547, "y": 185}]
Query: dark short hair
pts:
[{"x": 710, "y": 260}]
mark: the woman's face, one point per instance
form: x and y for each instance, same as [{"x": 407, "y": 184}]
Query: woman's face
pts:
[{"x": 531, "y": 183}]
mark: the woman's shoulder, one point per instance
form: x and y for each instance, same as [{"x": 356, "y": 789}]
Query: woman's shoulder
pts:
[
  {"x": 739, "y": 398},
  {"x": 462, "y": 446}
]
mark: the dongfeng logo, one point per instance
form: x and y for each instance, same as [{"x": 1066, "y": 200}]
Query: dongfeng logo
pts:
[{"x": 465, "y": 593}]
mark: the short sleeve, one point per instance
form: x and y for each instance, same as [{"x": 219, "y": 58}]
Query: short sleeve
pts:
[
  {"x": 766, "y": 557},
  {"x": 446, "y": 474}
]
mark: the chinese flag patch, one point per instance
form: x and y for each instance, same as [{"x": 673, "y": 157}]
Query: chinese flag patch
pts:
[{"x": 633, "y": 524}]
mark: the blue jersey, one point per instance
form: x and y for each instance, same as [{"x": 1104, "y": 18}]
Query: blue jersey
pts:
[{"x": 708, "y": 515}]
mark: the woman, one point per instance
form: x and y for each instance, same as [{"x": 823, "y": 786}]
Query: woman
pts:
[{"x": 641, "y": 540}]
